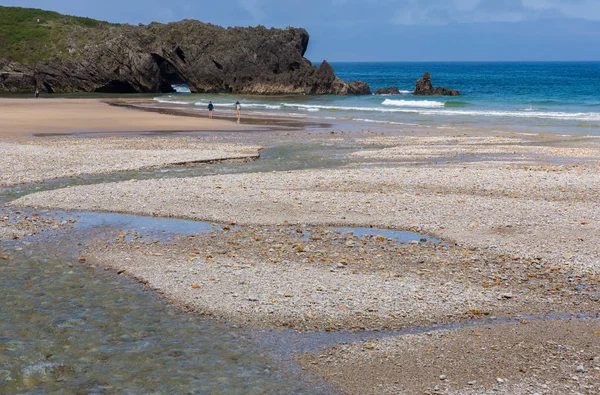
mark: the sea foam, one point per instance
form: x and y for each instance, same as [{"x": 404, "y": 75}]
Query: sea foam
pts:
[
  {"x": 413, "y": 103},
  {"x": 181, "y": 88},
  {"x": 170, "y": 101}
]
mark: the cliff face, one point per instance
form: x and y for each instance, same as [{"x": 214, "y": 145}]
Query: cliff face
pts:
[{"x": 148, "y": 59}]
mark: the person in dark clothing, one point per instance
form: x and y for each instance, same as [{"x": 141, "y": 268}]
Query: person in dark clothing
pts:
[
  {"x": 211, "y": 109},
  {"x": 37, "y": 93}
]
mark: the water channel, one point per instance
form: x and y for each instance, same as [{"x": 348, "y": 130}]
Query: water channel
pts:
[{"x": 69, "y": 328}]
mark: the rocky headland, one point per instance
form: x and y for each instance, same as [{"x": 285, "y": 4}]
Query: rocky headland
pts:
[
  {"x": 64, "y": 54},
  {"x": 425, "y": 88}
]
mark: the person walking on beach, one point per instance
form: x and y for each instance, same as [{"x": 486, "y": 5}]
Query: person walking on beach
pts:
[
  {"x": 211, "y": 108},
  {"x": 37, "y": 93},
  {"x": 238, "y": 108}
]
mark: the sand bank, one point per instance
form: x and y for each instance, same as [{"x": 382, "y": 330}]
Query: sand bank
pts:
[{"x": 311, "y": 278}]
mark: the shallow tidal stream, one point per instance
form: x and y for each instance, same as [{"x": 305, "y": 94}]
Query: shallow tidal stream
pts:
[{"x": 69, "y": 328}]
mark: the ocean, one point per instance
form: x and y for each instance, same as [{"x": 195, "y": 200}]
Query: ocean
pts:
[{"x": 536, "y": 97}]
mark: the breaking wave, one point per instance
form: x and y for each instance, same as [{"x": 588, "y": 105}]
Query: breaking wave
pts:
[
  {"x": 392, "y": 106},
  {"x": 413, "y": 103}
]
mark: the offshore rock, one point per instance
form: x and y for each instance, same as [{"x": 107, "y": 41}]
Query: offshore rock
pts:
[
  {"x": 388, "y": 91},
  {"x": 425, "y": 88},
  {"x": 149, "y": 59}
]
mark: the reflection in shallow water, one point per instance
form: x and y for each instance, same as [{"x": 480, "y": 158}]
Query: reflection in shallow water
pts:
[
  {"x": 160, "y": 229},
  {"x": 399, "y": 236}
]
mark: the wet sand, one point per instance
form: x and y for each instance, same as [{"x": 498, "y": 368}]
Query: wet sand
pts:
[{"x": 519, "y": 213}]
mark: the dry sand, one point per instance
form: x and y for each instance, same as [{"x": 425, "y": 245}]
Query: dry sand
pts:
[
  {"x": 28, "y": 159},
  {"x": 19, "y": 118}
]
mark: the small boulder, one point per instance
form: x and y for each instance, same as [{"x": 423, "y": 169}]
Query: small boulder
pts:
[{"x": 388, "y": 91}]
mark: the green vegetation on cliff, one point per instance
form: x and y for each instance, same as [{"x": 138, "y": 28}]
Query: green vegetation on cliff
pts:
[
  {"x": 23, "y": 40},
  {"x": 64, "y": 54}
]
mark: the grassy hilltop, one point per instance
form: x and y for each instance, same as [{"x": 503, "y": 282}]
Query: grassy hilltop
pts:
[
  {"x": 23, "y": 40},
  {"x": 65, "y": 54}
]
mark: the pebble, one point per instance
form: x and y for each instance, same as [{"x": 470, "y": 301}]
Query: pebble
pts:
[
  {"x": 580, "y": 369},
  {"x": 443, "y": 377},
  {"x": 499, "y": 380}
]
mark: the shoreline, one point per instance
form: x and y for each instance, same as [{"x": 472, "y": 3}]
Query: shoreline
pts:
[{"x": 271, "y": 123}]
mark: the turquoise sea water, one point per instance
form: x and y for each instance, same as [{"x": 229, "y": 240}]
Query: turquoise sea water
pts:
[{"x": 560, "y": 97}]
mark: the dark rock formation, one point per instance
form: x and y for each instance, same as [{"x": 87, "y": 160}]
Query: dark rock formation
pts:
[
  {"x": 425, "y": 88},
  {"x": 148, "y": 59},
  {"x": 388, "y": 91}
]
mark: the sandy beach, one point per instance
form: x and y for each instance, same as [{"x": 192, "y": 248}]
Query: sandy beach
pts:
[
  {"x": 27, "y": 159},
  {"x": 22, "y": 117},
  {"x": 517, "y": 217}
]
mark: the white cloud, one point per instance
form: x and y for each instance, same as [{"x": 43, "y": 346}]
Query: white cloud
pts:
[
  {"x": 581, "y": 9},
  {"x": 436, "y": 12}
]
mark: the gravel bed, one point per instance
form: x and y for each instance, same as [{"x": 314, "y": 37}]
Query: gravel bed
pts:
[
  {"x": 29, "y": 162},
  {"x": 550, "y": 357},
  {"x": 549, "y": 213},
  {"x": 311, "y": 278}
]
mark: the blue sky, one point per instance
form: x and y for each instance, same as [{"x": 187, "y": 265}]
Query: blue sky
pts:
[{"x": 386, "y": 30}]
